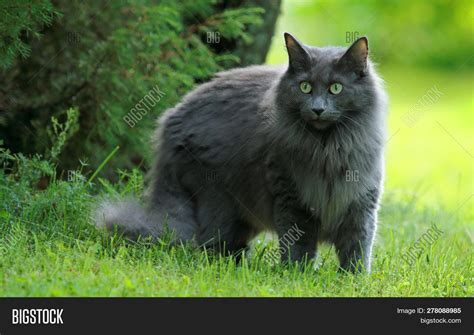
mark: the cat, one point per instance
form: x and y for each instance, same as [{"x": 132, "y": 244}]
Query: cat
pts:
[{"x": 267, "y": 148}]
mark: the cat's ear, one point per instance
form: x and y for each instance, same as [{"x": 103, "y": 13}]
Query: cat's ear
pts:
[
  {"x": 299, "y": 59},
  {"x": 355, "y": 58}
]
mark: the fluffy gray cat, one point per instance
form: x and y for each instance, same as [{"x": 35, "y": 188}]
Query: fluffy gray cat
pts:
[{"x": 269, "y": 148}]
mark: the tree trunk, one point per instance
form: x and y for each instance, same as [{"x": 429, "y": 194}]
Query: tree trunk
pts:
[{"x": 256, "y": 52}]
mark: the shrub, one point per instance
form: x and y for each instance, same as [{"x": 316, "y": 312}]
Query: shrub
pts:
[{"x": 102, "y": 59}]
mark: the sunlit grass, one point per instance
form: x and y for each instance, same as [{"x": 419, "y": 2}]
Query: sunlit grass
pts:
[
  {"x": 49, "y": 248},
  {"x": 433, "y": 155}
]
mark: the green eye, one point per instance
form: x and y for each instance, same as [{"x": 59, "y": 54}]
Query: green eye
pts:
[
  {"x": 305, "y": 87},
  {"x": 335, "y": 88}
]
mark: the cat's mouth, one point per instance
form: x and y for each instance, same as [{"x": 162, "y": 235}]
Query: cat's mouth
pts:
[{"x": 321, "y": 124}]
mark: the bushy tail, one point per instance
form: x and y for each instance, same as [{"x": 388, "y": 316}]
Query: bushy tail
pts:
[{"x": 126, "y": 217}]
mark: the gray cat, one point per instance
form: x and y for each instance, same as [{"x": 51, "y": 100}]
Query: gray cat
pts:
[{"x": 261, "y": 148}]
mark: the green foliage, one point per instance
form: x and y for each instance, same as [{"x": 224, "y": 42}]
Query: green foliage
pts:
[
  {"x": 232, "y": 23},
  {"x": 36, "y": 170},
  {"x": 26, "y": 170},
  {"x": 21, "y": 21},
  {"x": 103, "y": 59},
  {"x": 61, "y": 132}
]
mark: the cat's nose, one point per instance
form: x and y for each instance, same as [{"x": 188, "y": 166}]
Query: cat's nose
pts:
[{"x": 317, "y": 111}]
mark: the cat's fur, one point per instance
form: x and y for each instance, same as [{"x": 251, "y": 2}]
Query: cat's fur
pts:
[{"x": 243, "y": 153}]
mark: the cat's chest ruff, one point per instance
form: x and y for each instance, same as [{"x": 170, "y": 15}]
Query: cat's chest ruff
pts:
[
  {"x": 328, "y": 196},
  {"x": 328, "y": 188}
]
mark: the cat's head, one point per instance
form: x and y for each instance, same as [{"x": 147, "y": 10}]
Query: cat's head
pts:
[{"x": 329, "y": 85}]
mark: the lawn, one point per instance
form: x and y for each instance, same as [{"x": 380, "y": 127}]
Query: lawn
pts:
[{"x": 49, "y": 248}]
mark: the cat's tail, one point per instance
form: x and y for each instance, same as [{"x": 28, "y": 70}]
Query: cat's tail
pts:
[
  {"x": 126, "y": 217},
  {"x": 171, "y": 217}
]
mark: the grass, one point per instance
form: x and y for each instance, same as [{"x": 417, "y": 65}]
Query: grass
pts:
[
  {"x": 48, "y": 248},
  {"x": 435, "y": 153}
]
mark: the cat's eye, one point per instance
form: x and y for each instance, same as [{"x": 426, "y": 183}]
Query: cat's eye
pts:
[
  {"x": 305, "y": 87},
  {"x": 335, "y": 88}
]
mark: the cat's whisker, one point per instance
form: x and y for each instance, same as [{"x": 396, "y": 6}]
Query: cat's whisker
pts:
[
  {"x": 339, "y": 131},
  {"x": 352, "y": 120}
]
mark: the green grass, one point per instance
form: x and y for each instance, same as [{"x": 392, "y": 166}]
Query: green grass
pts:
[
  {"x": 48, "y": 248},
  {"x": 435, "y": 153}
]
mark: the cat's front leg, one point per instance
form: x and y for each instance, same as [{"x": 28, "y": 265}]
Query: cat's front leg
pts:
[
  {"x": 297, "y": 232},
  {"x": 355, "y": 236},
  {"x": 294, "y": 224}
]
